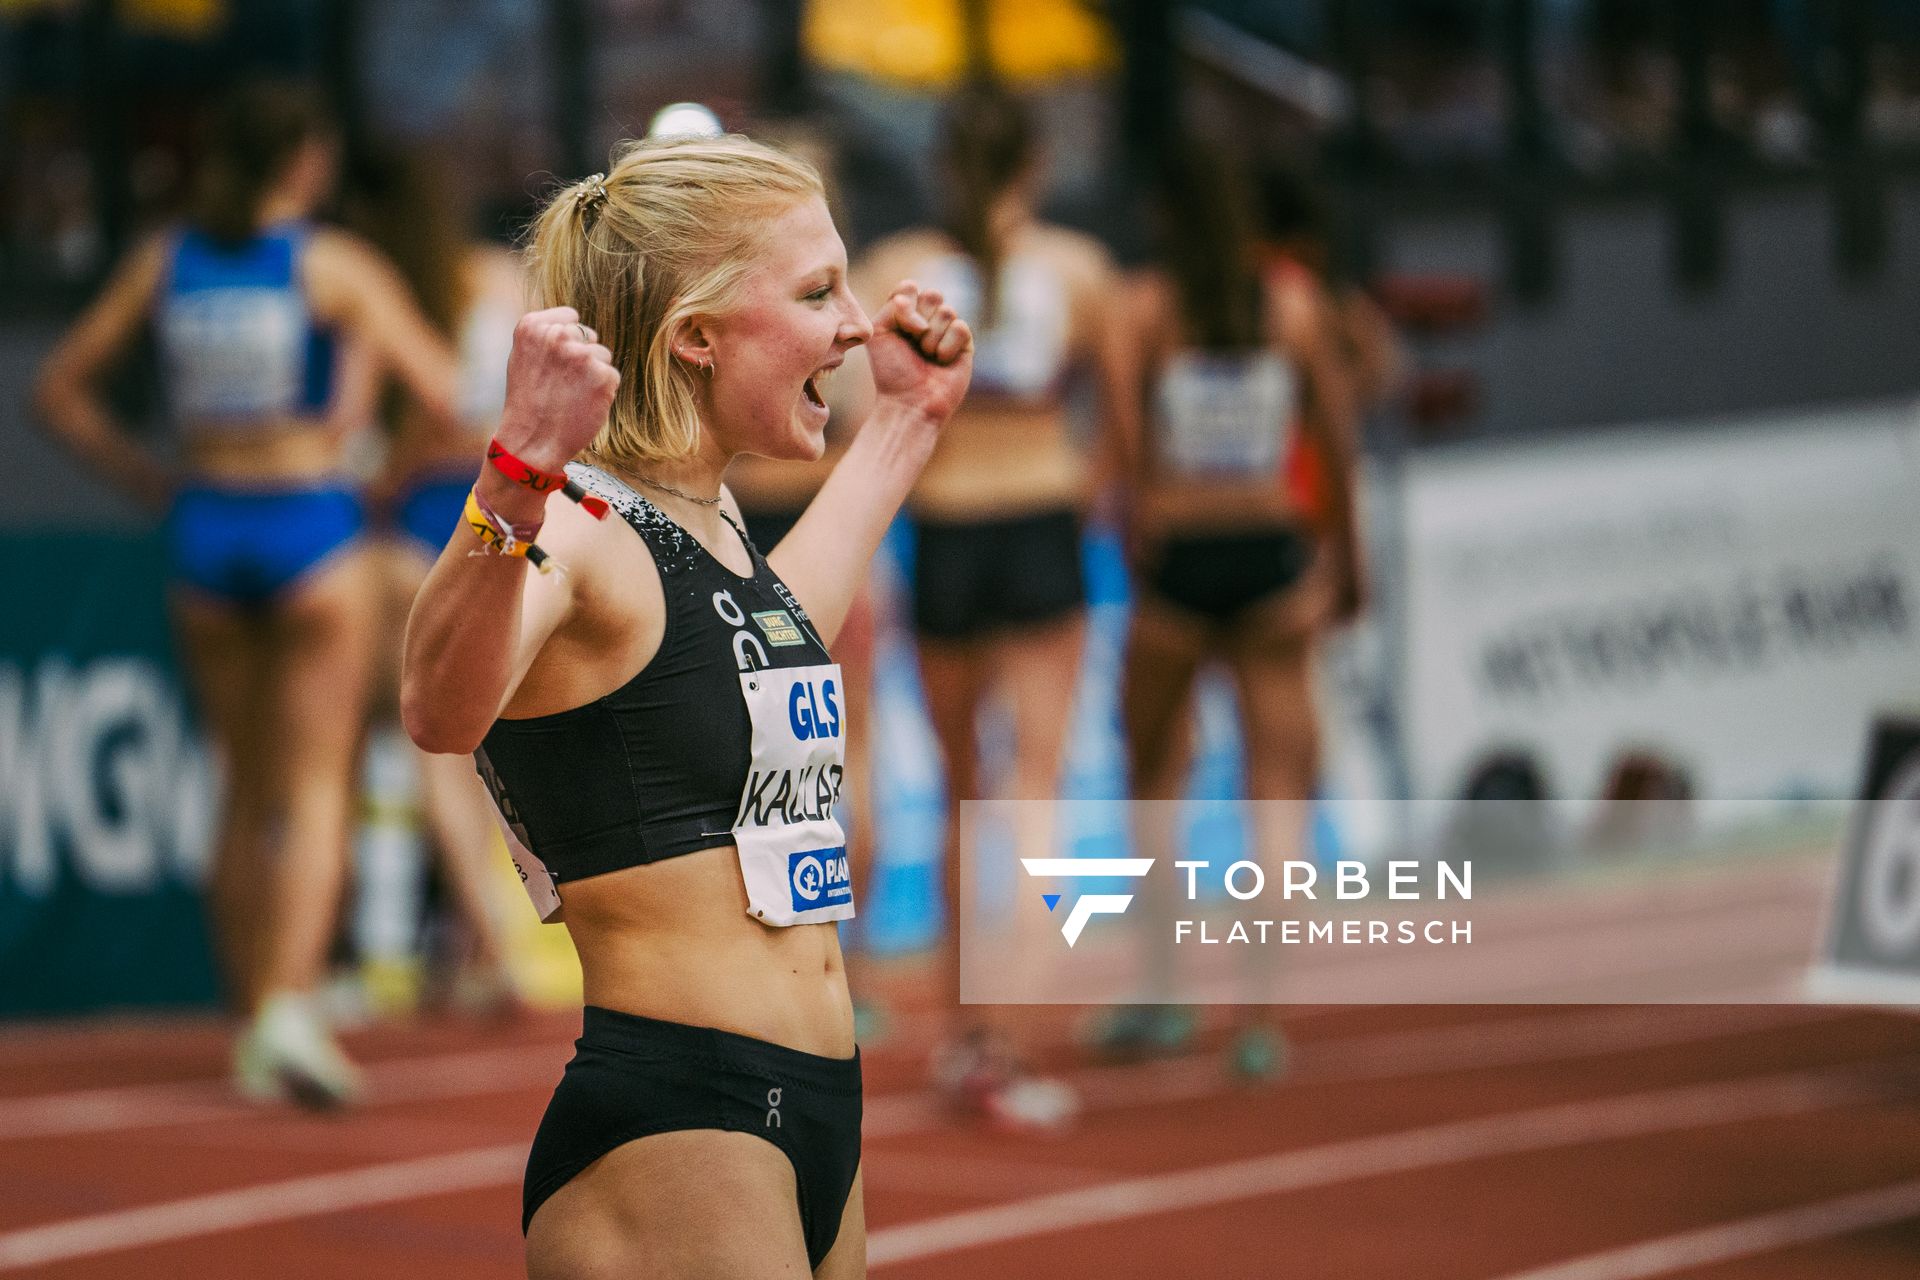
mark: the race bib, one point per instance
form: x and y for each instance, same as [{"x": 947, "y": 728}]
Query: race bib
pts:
[
  {"x": 1226, "y": 415},
  {"x": 793, "y": 853},
  {"x": 234, "y": 352}
]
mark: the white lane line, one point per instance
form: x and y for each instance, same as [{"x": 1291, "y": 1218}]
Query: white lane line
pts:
[
  {"x": 1746, "y": 1238},
  {"x": 972, "y": 1178},
  {"x": 435, "y": 1076},
  {"x": 1591, "y": 1032},
  {"x": 258, "y": 1205},
  {"x": 1369, "y": 1056},
  {"x": 1407, "y": 1054},
  {"x": 1538, "y": 1129}
]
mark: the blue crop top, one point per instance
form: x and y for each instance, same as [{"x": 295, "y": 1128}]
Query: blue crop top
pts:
[{"x": 237, "y": 341}]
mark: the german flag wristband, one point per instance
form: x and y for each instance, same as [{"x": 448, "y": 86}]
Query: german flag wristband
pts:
[
  {"x": 543, "y": 481},
  {"x": 499, "y": 537}
]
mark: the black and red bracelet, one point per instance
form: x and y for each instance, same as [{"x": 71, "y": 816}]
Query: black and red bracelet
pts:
[{"x": 543, "y": 481}]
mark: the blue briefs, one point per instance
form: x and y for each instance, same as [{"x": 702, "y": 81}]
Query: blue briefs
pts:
[
  {"x": 249, "y": 546},
  {"x": 431, "y": 507}
]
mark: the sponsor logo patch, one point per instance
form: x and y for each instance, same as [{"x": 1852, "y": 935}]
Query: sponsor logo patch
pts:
[
  {"x": 779, "y": 628},
  {"x": 819, "y": 878}
]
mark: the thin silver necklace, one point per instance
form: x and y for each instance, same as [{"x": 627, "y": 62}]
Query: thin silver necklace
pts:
[{"x": 714, "y": 501}]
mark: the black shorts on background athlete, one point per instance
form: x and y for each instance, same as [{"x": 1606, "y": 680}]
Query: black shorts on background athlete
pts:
[
  {"x": 973, "y": 577},
  {"x": 1220, "y": 576}
]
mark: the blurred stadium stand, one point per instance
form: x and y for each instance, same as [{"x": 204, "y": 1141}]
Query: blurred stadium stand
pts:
[{"x": 1677, "y": 211}]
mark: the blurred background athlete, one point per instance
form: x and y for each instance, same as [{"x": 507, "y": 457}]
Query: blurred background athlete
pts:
[
  {"x": 1241, "y": 527},
  {"x": 998, "y": 600},
  {"x": 251, "y": 307}
]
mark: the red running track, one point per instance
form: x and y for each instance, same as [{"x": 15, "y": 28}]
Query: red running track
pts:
[{"x": 1578, "y": 1143}]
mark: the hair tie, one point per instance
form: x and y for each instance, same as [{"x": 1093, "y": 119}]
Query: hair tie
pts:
[{"x": 591, "y": 195}]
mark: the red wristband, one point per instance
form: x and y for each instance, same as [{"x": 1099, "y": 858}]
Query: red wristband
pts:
[{"x": 543, "y": 481}]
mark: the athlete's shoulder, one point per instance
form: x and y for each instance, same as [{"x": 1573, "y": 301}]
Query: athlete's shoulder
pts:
[
  {"x": 606, "y": 583},
  {"x": 902, "y": 254},
  {"x": 921, "y": 242},
  {"x": 1071, "y": 241},
  {"x": 150, "y": 259},
  {"x": 494, "y": 268},
  {"x": 328, "y": 246},
  {"x": 1299, "y": 308},
  {"x": 1074, "y": 251}
]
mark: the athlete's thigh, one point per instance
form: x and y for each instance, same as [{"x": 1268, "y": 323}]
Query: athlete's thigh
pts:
[
  {"x": 1041, "y": 667},
  {"x": 1279, "y": 719},
  {"x": 399, "y": 569},
  {"x": 847, "y": 1260},
  {"x": 229, "y": 657},
  {"x": 325, "y": 635},
  {"x": 954, "y": 678},
  {"x": 1164, "y": 652},
  {"x": 699, "y": 1204}
]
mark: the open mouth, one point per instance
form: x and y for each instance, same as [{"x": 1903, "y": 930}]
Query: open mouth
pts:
[{"x": 815, "y": 387}]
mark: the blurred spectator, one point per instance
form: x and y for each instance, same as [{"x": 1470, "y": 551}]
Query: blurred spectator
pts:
[{"x": 884, "y": 66}]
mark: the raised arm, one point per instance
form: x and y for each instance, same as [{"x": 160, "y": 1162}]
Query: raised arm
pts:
[
  {"x": 922, "y": 355},
  {"x": 66, "y": 392},
  {"x": 352, "y": 285},
  {"x": 481, "y": 620}
]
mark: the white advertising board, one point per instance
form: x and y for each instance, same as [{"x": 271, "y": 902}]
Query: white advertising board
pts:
[{"x": 1738, "y": 598}]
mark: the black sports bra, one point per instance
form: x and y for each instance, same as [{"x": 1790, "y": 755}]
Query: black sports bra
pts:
[{"x": 655, "y": 769}]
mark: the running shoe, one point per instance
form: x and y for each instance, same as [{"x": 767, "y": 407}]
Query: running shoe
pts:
[
  {"x": 1257, "y": 1053},
  {"x": 980, "y": 1079},
  {"x": 288, "y": 1054}
]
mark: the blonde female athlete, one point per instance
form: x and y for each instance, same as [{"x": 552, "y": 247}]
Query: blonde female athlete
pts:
[
  {"x": 273, "y": 597},
  {"x": 1241, "y": 523},
  {"x": 658, "y": 716},
  {"x": 998, "y": 599}
]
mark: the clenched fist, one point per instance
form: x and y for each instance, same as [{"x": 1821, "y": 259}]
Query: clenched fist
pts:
[
  {"x": 560, "y": 386},
  {"x": 922, "y": 353}
]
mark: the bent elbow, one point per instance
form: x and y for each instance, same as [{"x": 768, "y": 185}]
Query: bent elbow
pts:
[{"x": 435, "y": 733}]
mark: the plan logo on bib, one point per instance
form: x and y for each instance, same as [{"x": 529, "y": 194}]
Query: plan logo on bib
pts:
[
  {"x": 1092, "y": 904},
  {"x": 819, "y": 878}
]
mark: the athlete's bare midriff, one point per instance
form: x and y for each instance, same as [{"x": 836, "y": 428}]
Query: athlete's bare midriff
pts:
[
  {"x": 673, "y": 940},
  {"x": 282, "y": 452},
  {"x": 1002, "y": 460}
]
